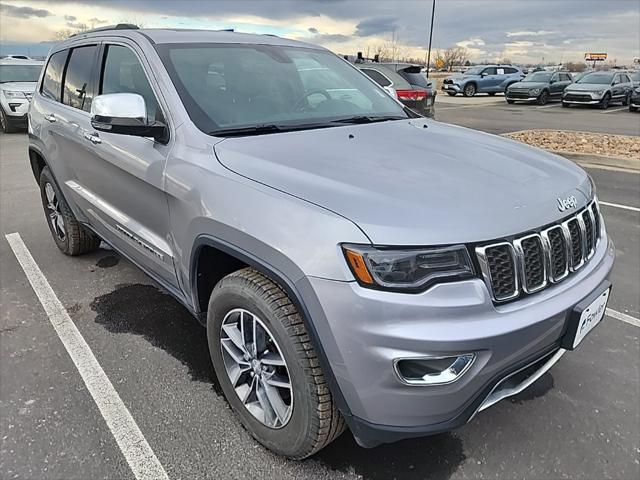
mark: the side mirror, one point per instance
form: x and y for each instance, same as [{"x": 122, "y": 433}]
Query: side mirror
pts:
[
  {"x": 553, "y": 80},
  {"x": 484, "y": 74},
  {"x": 126, "y": 114}
]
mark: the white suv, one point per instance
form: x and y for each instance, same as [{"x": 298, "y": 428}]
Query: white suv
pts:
[{"x": 18, "y": 80}]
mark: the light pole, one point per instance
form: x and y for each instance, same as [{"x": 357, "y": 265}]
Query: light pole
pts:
[{"x": 433, "y": 11}]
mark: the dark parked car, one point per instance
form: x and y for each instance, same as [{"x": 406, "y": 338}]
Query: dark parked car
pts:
[
  {"x": 599, "y": 88},
  {"x": 404, "y": 82},
  {"x": 635, "y": 78},
  {"x": 538, "y": 87},
  {"x": 634, "y": 101}
]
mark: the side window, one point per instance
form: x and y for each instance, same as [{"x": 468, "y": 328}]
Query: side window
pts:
[
  {"x": 510, "y": 70},
  {"x": 500, "y": 71},
  {"x": 78, "y": 88},
  {"x": 52, "y": 80},
  {"x": 616, "y": 79},
  {"x": 377, "y": 77},
  {"x": 123, "y": 73},
  {"x": 489, "y": 71},
  {"x": 555, "y": 77},
  {"x": 626, "y": 79}
]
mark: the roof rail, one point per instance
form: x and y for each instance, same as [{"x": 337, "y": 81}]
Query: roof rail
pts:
[{"x": 119, "y": 26}]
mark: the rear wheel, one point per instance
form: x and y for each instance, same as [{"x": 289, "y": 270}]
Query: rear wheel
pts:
[
  {"x": 491, "y": 94},
  {"x": 543, "y": 99},
  {"x": 469, "y": 90},
  {"x": 267, "y": 367},
  {"x": 604, "y": 103},
  {"x": 69, "y": 234},
  {"x": 453, "y": 94}
]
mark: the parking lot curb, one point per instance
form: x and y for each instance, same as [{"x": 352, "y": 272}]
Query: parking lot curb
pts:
[{"x": 601, "y": 160}]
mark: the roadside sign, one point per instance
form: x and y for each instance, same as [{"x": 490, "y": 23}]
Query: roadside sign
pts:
[{"x": 595, "y": 57}]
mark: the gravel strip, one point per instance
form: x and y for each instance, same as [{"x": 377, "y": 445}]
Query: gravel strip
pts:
[{"x": 621, "y": 146}]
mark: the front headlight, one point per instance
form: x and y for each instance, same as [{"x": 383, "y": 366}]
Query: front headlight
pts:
[
  {"x": 9, "y": 94},
  {"x": 534, "y": 91},
  {"x": 407, "y": 270},
  {"x": 599, "y": 92}
]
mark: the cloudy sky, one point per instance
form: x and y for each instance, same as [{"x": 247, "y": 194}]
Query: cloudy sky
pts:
[{"x": 524, "y": 31}]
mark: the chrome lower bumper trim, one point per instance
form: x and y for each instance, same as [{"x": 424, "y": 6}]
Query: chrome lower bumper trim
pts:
[
  {"x": 498, "y": 394},
  {"x": 575, "y": 102}
]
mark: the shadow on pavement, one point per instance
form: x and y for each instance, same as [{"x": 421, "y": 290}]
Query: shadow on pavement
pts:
[
  {"x": 435, "y": 458},
  {"x": 162, "y": 321}
]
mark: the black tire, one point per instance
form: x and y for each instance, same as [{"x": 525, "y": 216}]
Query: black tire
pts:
[
  {"x": 627, "y": 100},
  {"x": 511, "y": 102},
  {"x": 606, "y": 100},
  {"x": 315, "y": 420},
  {"x": 5, "y": 123},
  {"x": 632, "y": 108},
  {"x": 453, "y": 94},
  {"x": 566, "y": 105},
  {"x": 543, "y": 98},
  {"x": 73, "y": 239},
  {"x": 491, "y": 94},
  {"x": 469, "y": 90}
]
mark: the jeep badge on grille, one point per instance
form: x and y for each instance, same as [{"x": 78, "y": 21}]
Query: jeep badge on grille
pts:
[{"x": 567, "y": 203}]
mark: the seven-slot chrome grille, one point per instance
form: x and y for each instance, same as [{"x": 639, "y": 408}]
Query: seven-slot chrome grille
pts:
[{"x": 531, "y": 262}]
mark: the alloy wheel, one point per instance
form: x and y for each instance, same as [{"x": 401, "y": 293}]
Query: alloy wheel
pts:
[
  {"x": 256, "y": 368},
  {"x": 54, "y": 213}
]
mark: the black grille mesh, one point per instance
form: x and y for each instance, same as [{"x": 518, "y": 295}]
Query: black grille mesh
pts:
[
  {"x": 588, "y": 227},
  {"x": 503, "y": 277},
  {"x": 533, "y": 262},
  {"x": 558, "y": 253},
  {"x": 596, "y": 216},
  {"x": 576, "y": 241}
]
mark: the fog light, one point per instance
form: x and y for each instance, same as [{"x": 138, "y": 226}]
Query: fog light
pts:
[{"x": 433, "y": 370}]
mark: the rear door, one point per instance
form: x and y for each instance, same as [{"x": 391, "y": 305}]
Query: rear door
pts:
[{"x": 120, "y": 179}]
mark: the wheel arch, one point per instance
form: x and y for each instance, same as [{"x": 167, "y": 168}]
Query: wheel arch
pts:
[
  {"x": 234, "y": 256},
  {"x": 37, "y": 161}
]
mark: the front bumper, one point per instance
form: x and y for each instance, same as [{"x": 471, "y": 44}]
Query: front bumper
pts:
[
  {"x": 451, "y": 87},
  {"x": 363, "y": 331},
  {"x": 520, "y": 98}
]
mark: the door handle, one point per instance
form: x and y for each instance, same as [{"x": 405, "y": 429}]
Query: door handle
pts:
[
  {"x": 92, "y": 137},
  {"x": 50, "y": 117}
]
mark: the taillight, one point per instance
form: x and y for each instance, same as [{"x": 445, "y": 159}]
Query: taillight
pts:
[{"x": 414, "y": 95}]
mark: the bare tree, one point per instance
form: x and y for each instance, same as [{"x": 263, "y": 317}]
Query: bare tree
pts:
[
  {"x": 65, "y": 33},
  {"x": 454, "y": 56}
]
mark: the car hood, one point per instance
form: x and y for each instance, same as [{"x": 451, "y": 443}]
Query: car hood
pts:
[
  {"x": 527, "y": 85},
  {"x": 27, "y": 87},
  {"x": 586, "y": 87},
  {"x": 414, "y": 182}
]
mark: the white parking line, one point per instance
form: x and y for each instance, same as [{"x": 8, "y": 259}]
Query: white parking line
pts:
[
  {"x": 617, "y": 205},
  {"x": 623, "y": 317},
  {"x": 614, "y": 110},
  {"x": 139, "y": 455}
]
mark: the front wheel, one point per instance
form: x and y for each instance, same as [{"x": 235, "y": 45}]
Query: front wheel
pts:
[
  {"x": 511, "y": 102},
  {"x": 543, "y": 99},
  {"x": 5, "y": 123},
  {"x": 70, "y": 236},
  {"x": 453, "y": 94},
  {"x": 491, "y": 94},
  {"x": 267, "y": 367},
  {"x": 632, "y": 108},
  {"x": 469, "y": 90},
  {"x": 565, "y": 104},
  {"x": 604, "y": 103},
  {"x": 627, "y": 100}
]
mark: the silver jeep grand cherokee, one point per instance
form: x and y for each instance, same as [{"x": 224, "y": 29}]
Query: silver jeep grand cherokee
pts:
[{"x": 355, "y": 265}]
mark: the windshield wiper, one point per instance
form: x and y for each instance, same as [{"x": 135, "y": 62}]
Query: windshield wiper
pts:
[
  {"x": 357, "y": 119},
  {"x": 249, "y": 130}
]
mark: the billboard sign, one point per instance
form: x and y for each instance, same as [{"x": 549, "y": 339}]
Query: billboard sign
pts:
[{"x": 595, "y": 57}]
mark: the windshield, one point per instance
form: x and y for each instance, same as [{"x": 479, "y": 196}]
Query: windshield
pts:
[
  {"x": 475, "y": 70},
  {"x": 19, "y": 73},
  {"x": 237, "y": 86},
  {"x": 538, "y": 77},
  {"x": 600, "y": 78},
  {"x": 635, "y": 76}
]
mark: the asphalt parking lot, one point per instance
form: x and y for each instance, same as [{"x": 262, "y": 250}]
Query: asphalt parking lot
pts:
[
  {"x": 495, "y": 115},
  {"x": 580, "y": 420}
]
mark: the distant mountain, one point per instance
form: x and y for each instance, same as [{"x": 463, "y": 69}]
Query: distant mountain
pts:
[{"x": 34, "y": 50}]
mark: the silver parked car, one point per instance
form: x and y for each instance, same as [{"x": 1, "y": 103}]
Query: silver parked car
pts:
[
  {"x": 18, "y": 79},
  {"x": 599, "y": 88},
  {"x": 354, "y": 265}
]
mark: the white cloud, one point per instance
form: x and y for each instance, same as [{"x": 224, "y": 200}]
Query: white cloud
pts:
[{"x": 528, "y": 33}]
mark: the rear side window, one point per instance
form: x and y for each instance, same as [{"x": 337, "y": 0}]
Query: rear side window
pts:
[
  {"x": 510, "y": 70},
  {"x": 414, "y": 77},
  {"x": 377, "y": 77},
  {"x": 122, "y": 72},
  {"x": 52, "y": 80},
  {"x": 78, "y": 85}
]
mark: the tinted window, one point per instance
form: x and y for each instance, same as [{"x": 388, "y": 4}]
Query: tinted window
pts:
[
  {"x": 489, "y": 71},
  {"x": 510, "y": 70},
  {"x": 414, "y": 77},
  {"x": 377, "y": 77},
  {"x": 123, "y": 73},
  {"x": 565, "y": 77},
  {"x": 52, "y": 81},
  {"x": 77, "y": 91},
  {"x": 625, "y": 78}
]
